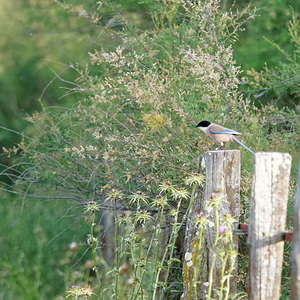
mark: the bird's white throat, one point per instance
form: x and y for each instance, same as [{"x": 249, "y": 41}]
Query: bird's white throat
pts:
[{"x": 204, "y": 129}]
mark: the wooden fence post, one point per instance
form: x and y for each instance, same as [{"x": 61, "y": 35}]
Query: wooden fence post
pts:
[
  {"x": 191, "y": 243},
  {"x": 267, "y": 222},
  {"x": 295, "y": 260},
  {"x": 222, "y": 178}
]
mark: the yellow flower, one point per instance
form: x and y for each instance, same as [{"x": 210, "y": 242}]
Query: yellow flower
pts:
[{"x": 154, "y": 121}]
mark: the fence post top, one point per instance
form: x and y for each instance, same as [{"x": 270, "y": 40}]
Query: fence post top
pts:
[
  {"x": 222, "y": 151},
  {"x": 272, "y": 153},
  {"x": 233, "y": 150}
]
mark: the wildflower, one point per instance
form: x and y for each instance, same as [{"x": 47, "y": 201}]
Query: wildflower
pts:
[
  {"x": 214, "y": 201},
  {"x": 91, "y": 148},
  {"x": 201, "y": 220},
  {"x": 160, "y": 201},
  {"x": 143, "y": 216},
  {"x": 228, "y": 220},
  {"x": 73, "y": 246},
  {"x": 92, "y": 241},
  {"x": 78, "y": 151},
  {"x": 180, "y": 193},
  {"x": 222, "y": 229},
  {"x": 200, "y": 214},
  {"x": 114, "y": 195},
  {"x": 131, "y": 238},
  {"x": 165, "y": 187},
  {"x": 138, "y": 197},
  {"x": 155, "y": 121},
  {"x": 91, "y": 207},
  {"x": 213, "y": 196},
  {"x": 123, "y": 218},
  {"x": 78, "y": 291},
  {"x": 195, "y": 179}
]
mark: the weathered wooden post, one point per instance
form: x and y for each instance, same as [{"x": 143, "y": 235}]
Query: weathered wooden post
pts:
[
  {"x": 222, "y": 178},
  {"x": 191, "y": 244},
  {"x": 267, "y": 222},
  {"x": 295, "y": 260}
]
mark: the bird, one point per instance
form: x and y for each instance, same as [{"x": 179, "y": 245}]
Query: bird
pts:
[{"x": 220, "y": 134}]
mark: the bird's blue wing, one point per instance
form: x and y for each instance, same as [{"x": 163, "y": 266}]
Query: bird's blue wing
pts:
[{"x": 224, "y": 131}]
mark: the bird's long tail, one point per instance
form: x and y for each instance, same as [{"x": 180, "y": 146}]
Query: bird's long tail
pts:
[{"x": 240, "y": 143}]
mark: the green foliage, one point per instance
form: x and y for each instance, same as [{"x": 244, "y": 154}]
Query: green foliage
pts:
[
  {"x": 280, "y": 83},
  {"x": 137, "y": 122},
  {"x": 34, "y": 247},
  {"x": 143, "y": 253},
  {"x": 133, "y": 126},
  {"x": 269, "y": 52},
  {"x": 36, "y": 38},
  {"x": 252, "y": 50}
]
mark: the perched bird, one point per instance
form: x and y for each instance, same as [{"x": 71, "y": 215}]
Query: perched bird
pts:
[{"x": 220, "y": 134}]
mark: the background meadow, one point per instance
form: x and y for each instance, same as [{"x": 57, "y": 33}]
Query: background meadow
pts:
[{"x": 98, "y": 106}]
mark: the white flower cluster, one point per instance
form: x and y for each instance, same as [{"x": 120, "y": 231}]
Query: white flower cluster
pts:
[{"x": 83, "y": 151}]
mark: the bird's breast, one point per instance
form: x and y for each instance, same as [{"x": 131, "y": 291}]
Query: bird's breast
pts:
[{"x": 224, "y": 138}]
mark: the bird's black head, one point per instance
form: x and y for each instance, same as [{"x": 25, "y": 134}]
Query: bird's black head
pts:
[{"x": 203, "y": 124}]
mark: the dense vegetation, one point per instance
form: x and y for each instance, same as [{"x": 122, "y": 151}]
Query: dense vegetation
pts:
[{"x": 124, "y": 122}]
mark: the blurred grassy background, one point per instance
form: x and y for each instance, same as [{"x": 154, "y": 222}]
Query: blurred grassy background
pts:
[{"x": 40, "y": 39}]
